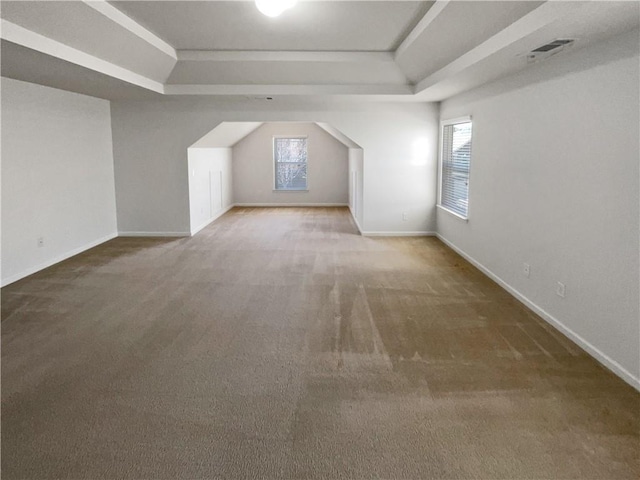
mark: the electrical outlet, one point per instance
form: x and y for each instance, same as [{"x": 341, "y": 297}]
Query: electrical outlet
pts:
[
  {"x": 40, "y": 242},
  {"x": 526, "y": 269},
  {"x": 405, "y": 216},
  {"x": 560, "y": 289}
]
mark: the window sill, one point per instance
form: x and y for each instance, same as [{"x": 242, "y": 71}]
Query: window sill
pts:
[
  {"x": 454, "y": 214},
  {"x": 289, "y": 190}
]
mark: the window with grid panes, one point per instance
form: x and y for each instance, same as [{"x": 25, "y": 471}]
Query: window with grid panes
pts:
[{"x": 290, "y": 159}]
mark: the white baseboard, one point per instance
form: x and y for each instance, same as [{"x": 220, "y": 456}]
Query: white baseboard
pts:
[
  {"x": 398, "y": 234},
  {"x": 215, "y": 216},
  {"x": 56, "y": 259},
  {"x": 387, "y": 234},
  {"x": 601, "y": 357},
  {"x": 154, "y": 234},
  {"x": 258, "y": 205},
  {"x": 353, "y": 215}
]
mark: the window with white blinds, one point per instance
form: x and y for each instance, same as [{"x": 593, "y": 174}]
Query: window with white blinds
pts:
[
  {"x": 454, "y": 166},
  {"x": 290, "y": 158}
]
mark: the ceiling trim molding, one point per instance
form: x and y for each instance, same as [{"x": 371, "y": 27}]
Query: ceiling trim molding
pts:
[
  {"x": 435, "y": 10},
  {"x": 126, "y": 22},
  {"x": 21, "y": 36},
  {"x": 535, "y": 20},
  {"x": 282, "y": 56},
  {"x": 288, "y": 90}
]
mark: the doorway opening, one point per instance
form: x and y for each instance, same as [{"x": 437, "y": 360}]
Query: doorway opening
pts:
[{"x": 236, "y": 164}]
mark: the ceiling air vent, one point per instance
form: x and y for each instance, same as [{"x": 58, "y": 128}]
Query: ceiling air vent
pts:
[
  {"x": 552, "y": 46},
  {"x": 549, "y": 49}
]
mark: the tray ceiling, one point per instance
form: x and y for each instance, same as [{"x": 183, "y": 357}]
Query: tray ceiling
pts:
[
  {"x": 385, "y": 50},
  {"x": 309, "y": 26}
]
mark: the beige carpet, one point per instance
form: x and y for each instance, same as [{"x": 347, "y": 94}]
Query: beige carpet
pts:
[{"x": 279, "y": 343}]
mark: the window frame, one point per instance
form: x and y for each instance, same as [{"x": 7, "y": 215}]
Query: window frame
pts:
[
  {"x": 274, "y": 163},
  {"x": 443, "y": 124}
]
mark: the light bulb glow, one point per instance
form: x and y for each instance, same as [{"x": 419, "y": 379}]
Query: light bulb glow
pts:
[{"x": 273, "y": 8}]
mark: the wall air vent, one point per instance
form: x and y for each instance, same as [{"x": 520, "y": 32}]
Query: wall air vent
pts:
[{"x": 549, "y": 49}]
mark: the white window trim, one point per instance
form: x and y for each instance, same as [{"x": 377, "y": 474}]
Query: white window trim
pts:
[
  {"x": 443, "y": 123},
  {"x": 455, "y": 214},
  {"x": 273, "y": 164}
]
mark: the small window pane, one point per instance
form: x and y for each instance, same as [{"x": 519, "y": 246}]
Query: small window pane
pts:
[
  {"x": 290, "y": 156},
  {"x": 456, "y": 161}
]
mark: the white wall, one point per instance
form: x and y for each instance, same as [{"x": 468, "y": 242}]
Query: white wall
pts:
[
  {"x": 356, "y": 170},
  {"x": 554, "y": 183},
  {"x": 400, "y": 174},
  {"x": 151, "y": 140},
  {"x": 210, "y": 185},
  {"x": 327, "y": 167},
  {"x": 57, "y": 176}
]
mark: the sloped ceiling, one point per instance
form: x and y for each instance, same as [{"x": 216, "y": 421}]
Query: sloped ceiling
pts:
[
  {"x": 398, "y": 50},
  {"x": 226, "y": 135},
  {"x": 338, "y": 135}
]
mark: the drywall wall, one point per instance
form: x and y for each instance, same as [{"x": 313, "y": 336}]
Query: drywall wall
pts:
[
  {"x": 151, "y": 138},
  {"x": 57, "y": 176},
  {"x": 356, "y": 170},
  {"x": 210, "y": 185},
  {"x": 554, "y": 184},
  {"x": 253, "y": 167}
]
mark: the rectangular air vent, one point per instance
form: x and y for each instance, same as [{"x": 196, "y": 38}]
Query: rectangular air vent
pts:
[{"x": 552, "y": 46}]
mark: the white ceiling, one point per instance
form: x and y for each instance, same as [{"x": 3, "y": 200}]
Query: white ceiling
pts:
[
  {"x": 480, "y": 19},
  {"x": 401, "y": 50},
  {"x": 76, "y": 25},
  {"x": 226, "y": 134},
  {"x": 310, "y": 26},
  {"x": 30, "y": 65}
]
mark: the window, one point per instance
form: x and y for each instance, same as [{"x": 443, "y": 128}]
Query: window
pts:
[
  {"x": 290, "y": 158},
  {"x": 455, "y": 160}
]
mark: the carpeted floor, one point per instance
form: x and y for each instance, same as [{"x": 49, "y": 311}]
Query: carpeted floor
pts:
[{"x": 279, "y": 343}]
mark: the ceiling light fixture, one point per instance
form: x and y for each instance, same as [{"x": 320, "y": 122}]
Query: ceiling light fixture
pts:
[{"x": 273, "y": 8}]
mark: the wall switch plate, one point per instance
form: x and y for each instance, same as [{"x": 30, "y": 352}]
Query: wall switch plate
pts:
[
  {"x": 40, "y": 242},
  {"x": 560, "y": 289},
  {"x": 405, "y": 216},
  {"x": 526, "y": 269}
]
